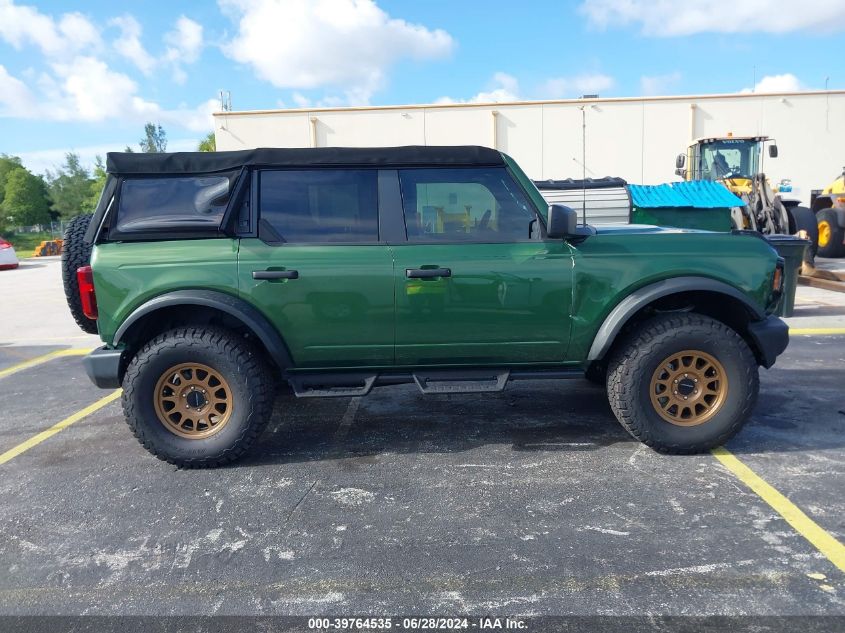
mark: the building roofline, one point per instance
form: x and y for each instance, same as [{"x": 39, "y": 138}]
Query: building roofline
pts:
[{"x": 495, "y": 104}]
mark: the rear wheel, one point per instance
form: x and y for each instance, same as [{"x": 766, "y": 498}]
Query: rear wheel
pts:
[
  {"x": 75, "y": 254},
  {"x": 198, "y": 397},
  {"x": 683, "y": 383},
  {"x": 831, "y": 235}
]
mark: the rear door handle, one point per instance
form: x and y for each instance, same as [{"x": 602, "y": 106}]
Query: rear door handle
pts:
[
  {"x": 427, "y": 273},
  {"x": 275, "y": 274}
]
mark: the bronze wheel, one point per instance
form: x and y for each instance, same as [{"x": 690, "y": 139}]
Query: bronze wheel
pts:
[
  {"x": 193, "y": 400},
  {"x": 688, "y": 388}
]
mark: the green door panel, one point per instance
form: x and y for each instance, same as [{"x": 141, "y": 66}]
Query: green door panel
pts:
[
  {"x": 503, "y": 304},
  {"x": 337, "y": 313},
  {"x": 128, "y": 274}
]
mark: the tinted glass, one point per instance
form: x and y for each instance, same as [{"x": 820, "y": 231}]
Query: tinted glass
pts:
[
  {"x": 478, "y": 204},
  {"x": 321, "y": 205},
  {"x": 188, "y": 202}
]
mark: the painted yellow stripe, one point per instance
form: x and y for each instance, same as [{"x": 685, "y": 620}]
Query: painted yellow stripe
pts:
[
  {"x": 801, "y": 523},
  {"x": 32, "y": 362},
  {"x": 60, "y": 426},
  {"x": 817, "y": 330}
]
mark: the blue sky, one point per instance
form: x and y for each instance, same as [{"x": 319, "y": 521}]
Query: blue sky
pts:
[{"x": 85, "y": 76}]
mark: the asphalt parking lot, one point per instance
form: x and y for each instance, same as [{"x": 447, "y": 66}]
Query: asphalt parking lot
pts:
[{"x": 532, "y": 501}]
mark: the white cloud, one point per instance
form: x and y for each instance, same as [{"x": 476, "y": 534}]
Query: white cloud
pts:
[
  {"x": 21, "y": 25},
  {"x": 185, "y": 43},
  {"x": 86, "y": 89},
  {"x": 342, "y": 44},
  {"x": 667, "y": 18},
  {"x": 786, "y": 82},
  {"x": 654, "y": 85},
  {"x": 129, "y": 43},
  {"x": 562, "y": 87},
  {"x": 503, "y": 88},
  {"x": 15, "y": 98}
]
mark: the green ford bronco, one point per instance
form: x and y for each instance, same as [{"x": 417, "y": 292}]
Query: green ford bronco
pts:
[{"x": 219, "y": 281}]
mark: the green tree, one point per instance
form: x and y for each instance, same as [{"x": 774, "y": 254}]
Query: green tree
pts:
[
  {"x": 69, "y": 187},
  {"x": 97, "y": 184},
  {"x": 208, "y": 144},
  {"x": 155, "y": 139},
  {"x": 25, "y": 198},
  {"x": 7, "y": 164}
]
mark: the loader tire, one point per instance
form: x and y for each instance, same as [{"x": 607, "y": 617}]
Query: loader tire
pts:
[
  {"x": 802, "y": 219},
  {"x": 831, "y": 236},
  {"x": 76, "y": 253}
]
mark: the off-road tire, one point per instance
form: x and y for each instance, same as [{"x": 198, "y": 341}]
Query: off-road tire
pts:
[
  {"x": 803, "y": 219},
  {"x": 75, "y": 254},
  {"x": 635, "y": 360},
  {"x": 235, "y": 358},
  {"x": 835, "y": 246}
]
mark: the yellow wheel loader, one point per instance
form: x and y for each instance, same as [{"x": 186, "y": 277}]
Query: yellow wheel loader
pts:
[
  {"x": 829, "y": 207},
  {"x": 737, "y": 163}
]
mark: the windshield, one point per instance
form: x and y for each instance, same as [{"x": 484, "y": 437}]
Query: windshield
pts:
[{"x": 728, "y": 158}]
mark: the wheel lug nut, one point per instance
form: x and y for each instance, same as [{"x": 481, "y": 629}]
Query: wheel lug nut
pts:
[
  {"x": 675, "y": 392},
  {"x": 676, "y": 381},
  {"x": 695, "y": 379},
  {"x": 685, "y": 375},
  {"x": 684, "y": 399}
]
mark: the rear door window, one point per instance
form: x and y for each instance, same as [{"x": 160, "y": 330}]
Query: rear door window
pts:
[
  {"x": 319, "y": 206},
  {"x": 181, "y": 203}
]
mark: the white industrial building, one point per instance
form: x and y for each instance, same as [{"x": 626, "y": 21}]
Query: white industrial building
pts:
[{"x": 635, "y": 138}]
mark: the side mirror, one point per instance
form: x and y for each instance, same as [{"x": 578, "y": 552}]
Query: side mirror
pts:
[
  {"x": 562, "y": 221},
  {"x": 680, "y": 161},
  {"x": 773, "y": 151},
  {"x": 681, "y": 172}
]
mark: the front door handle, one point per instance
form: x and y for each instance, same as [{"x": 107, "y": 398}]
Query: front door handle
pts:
[
  {"x": 275, "y": 274},
  {"x": 427, "y": 273}
]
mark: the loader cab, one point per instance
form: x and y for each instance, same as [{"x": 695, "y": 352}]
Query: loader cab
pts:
[{"x": 732, "y": 161}]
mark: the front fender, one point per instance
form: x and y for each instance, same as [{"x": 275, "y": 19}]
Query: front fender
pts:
[{"x": 634, "y": 302}]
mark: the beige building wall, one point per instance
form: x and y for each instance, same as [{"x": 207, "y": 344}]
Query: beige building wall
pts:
[{"x": 635, "y": 138}]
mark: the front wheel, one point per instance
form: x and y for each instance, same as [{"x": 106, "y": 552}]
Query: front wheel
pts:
[
  {"x": 683, "y": 383},
  {"x": 197, "y": 397}
]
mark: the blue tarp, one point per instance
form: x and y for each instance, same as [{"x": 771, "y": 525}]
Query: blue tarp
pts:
[{"x": 697, "y": 194}]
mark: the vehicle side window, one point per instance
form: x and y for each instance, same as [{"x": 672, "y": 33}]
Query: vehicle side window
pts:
[
  {"x": 173, "y": 203},
  {"x": 473, "y": 204},
  {"x": 319, "y": 205}
]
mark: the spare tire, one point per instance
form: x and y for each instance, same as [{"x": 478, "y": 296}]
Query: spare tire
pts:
[{"x": 76, "y": 253}]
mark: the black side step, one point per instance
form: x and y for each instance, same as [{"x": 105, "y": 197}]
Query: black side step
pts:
[
  {"x": 332, "y": 385},
  {"x": 468, "y": 381}
]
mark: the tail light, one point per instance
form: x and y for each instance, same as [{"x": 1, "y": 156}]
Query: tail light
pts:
[
  {"x": 4, "y": 244},
  {"x": 85, "y": 281},
  {"x": 777, "y": 278}
]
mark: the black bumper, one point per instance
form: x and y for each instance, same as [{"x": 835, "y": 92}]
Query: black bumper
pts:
[
  {"x": 771, "y": 336},
  {"x": 103, "y": 367}
]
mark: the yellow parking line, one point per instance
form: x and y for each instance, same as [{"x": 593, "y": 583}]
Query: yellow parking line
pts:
[
  {"x": 32, "y": 362},
  {"x": 56, "y": 428},
  {"x": 817, "y": 330},
  {"x": 822, "y": 540}
]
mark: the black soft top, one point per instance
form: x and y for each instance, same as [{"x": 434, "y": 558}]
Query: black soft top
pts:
[{"x": 127, "y": 163}]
